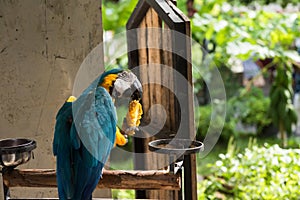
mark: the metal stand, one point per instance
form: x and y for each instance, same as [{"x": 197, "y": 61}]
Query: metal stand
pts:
[
  {"x": 179, "y": 151},
  {"x": 13, "y": 152},
  {"x": 4, "y": 190}
]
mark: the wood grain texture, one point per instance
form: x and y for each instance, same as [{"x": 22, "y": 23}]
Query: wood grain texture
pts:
[
  {"x": 164, "y": 56},
  {"x": 112, "y": 179}
]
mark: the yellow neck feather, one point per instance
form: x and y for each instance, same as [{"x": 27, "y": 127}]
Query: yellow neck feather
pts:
[
  {"x": 71, "y": 99},
  {"x": 108, "y": 81}
]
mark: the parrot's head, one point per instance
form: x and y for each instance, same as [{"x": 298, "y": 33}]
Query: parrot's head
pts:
[
  {"x": 123, "y": 85},
  {"x": 127, "y": 85}
]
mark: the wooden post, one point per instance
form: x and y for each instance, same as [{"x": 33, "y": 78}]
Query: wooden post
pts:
[
  {"x": 190, "y": 167},
  {"x": 156, "y": 50}
]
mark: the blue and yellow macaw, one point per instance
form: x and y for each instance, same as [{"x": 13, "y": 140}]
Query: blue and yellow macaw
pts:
[{"x": 86, "y": 131}]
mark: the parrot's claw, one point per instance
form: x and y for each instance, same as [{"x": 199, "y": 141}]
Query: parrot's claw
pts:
[
  {"x": 103, "y": 170},
  {"x": 131, "y": 130}
]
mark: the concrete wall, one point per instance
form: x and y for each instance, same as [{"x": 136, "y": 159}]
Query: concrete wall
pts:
[{"x": 42, "y": 44}]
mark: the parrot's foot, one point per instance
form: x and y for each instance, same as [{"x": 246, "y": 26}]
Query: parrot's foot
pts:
[{"x": 131, "y": 130}]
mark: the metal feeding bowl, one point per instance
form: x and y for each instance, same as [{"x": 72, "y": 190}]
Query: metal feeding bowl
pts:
[
  {"x": 15, "y": 151},
  {"x": 176, "y": 146}
]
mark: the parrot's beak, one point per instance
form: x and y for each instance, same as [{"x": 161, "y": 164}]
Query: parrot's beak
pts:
[{"x": 137, "y": 90}]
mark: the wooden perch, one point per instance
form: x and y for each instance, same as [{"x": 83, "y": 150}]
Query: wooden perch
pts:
[{"x": 113, "y": 179}]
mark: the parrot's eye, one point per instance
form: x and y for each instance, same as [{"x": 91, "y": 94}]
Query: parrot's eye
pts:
[{"x": 111, "y": 87}]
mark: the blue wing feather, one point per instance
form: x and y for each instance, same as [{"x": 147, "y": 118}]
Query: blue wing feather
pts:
[
  {"x": 96, "y": 130},
  {"x": 95, "y": 122},
  {"x": 62, "y": 149},
  {"x": 83, "y": 146}
]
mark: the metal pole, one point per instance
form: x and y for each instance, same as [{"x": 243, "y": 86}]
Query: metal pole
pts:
[
  {"x": 1, "y": 187},
  {"x": 188, "y": 184},
  {"x": 4, "y": 190}
]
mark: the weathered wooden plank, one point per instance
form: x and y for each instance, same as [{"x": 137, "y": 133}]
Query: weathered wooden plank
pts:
[
  {"x": 167, "y": 77},
  {"x": 168, "y": 99},
  {"x": 165, "y": 12},
  {"x": 155, "y": 73},
  {"x": 139, "y": 143},
  {"x": 161, "y": 7},
  {"x": 137, "y": 15},
  {"x": 143, "y": 62},
  {"x": 190, "y": 166},
  {"x": 113, "y": 179},
  {"x": 153, "y": 54}
]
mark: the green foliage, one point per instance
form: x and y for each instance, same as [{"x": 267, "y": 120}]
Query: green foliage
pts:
[
  {"x": 249, "y": 107},
  {"x": 115, "y": 15},
  {"x": 123, "y": 194},
  {"x": 282, "y": 110},
  {"x": 294, "y": 142},
  {"x": 268, "y": 172},
  {"x": 230, "y": 80},
  {"x": 241, "y": 33},
  {"x": 214, "y": 122},
  {"x": 283, "y": 3}
]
